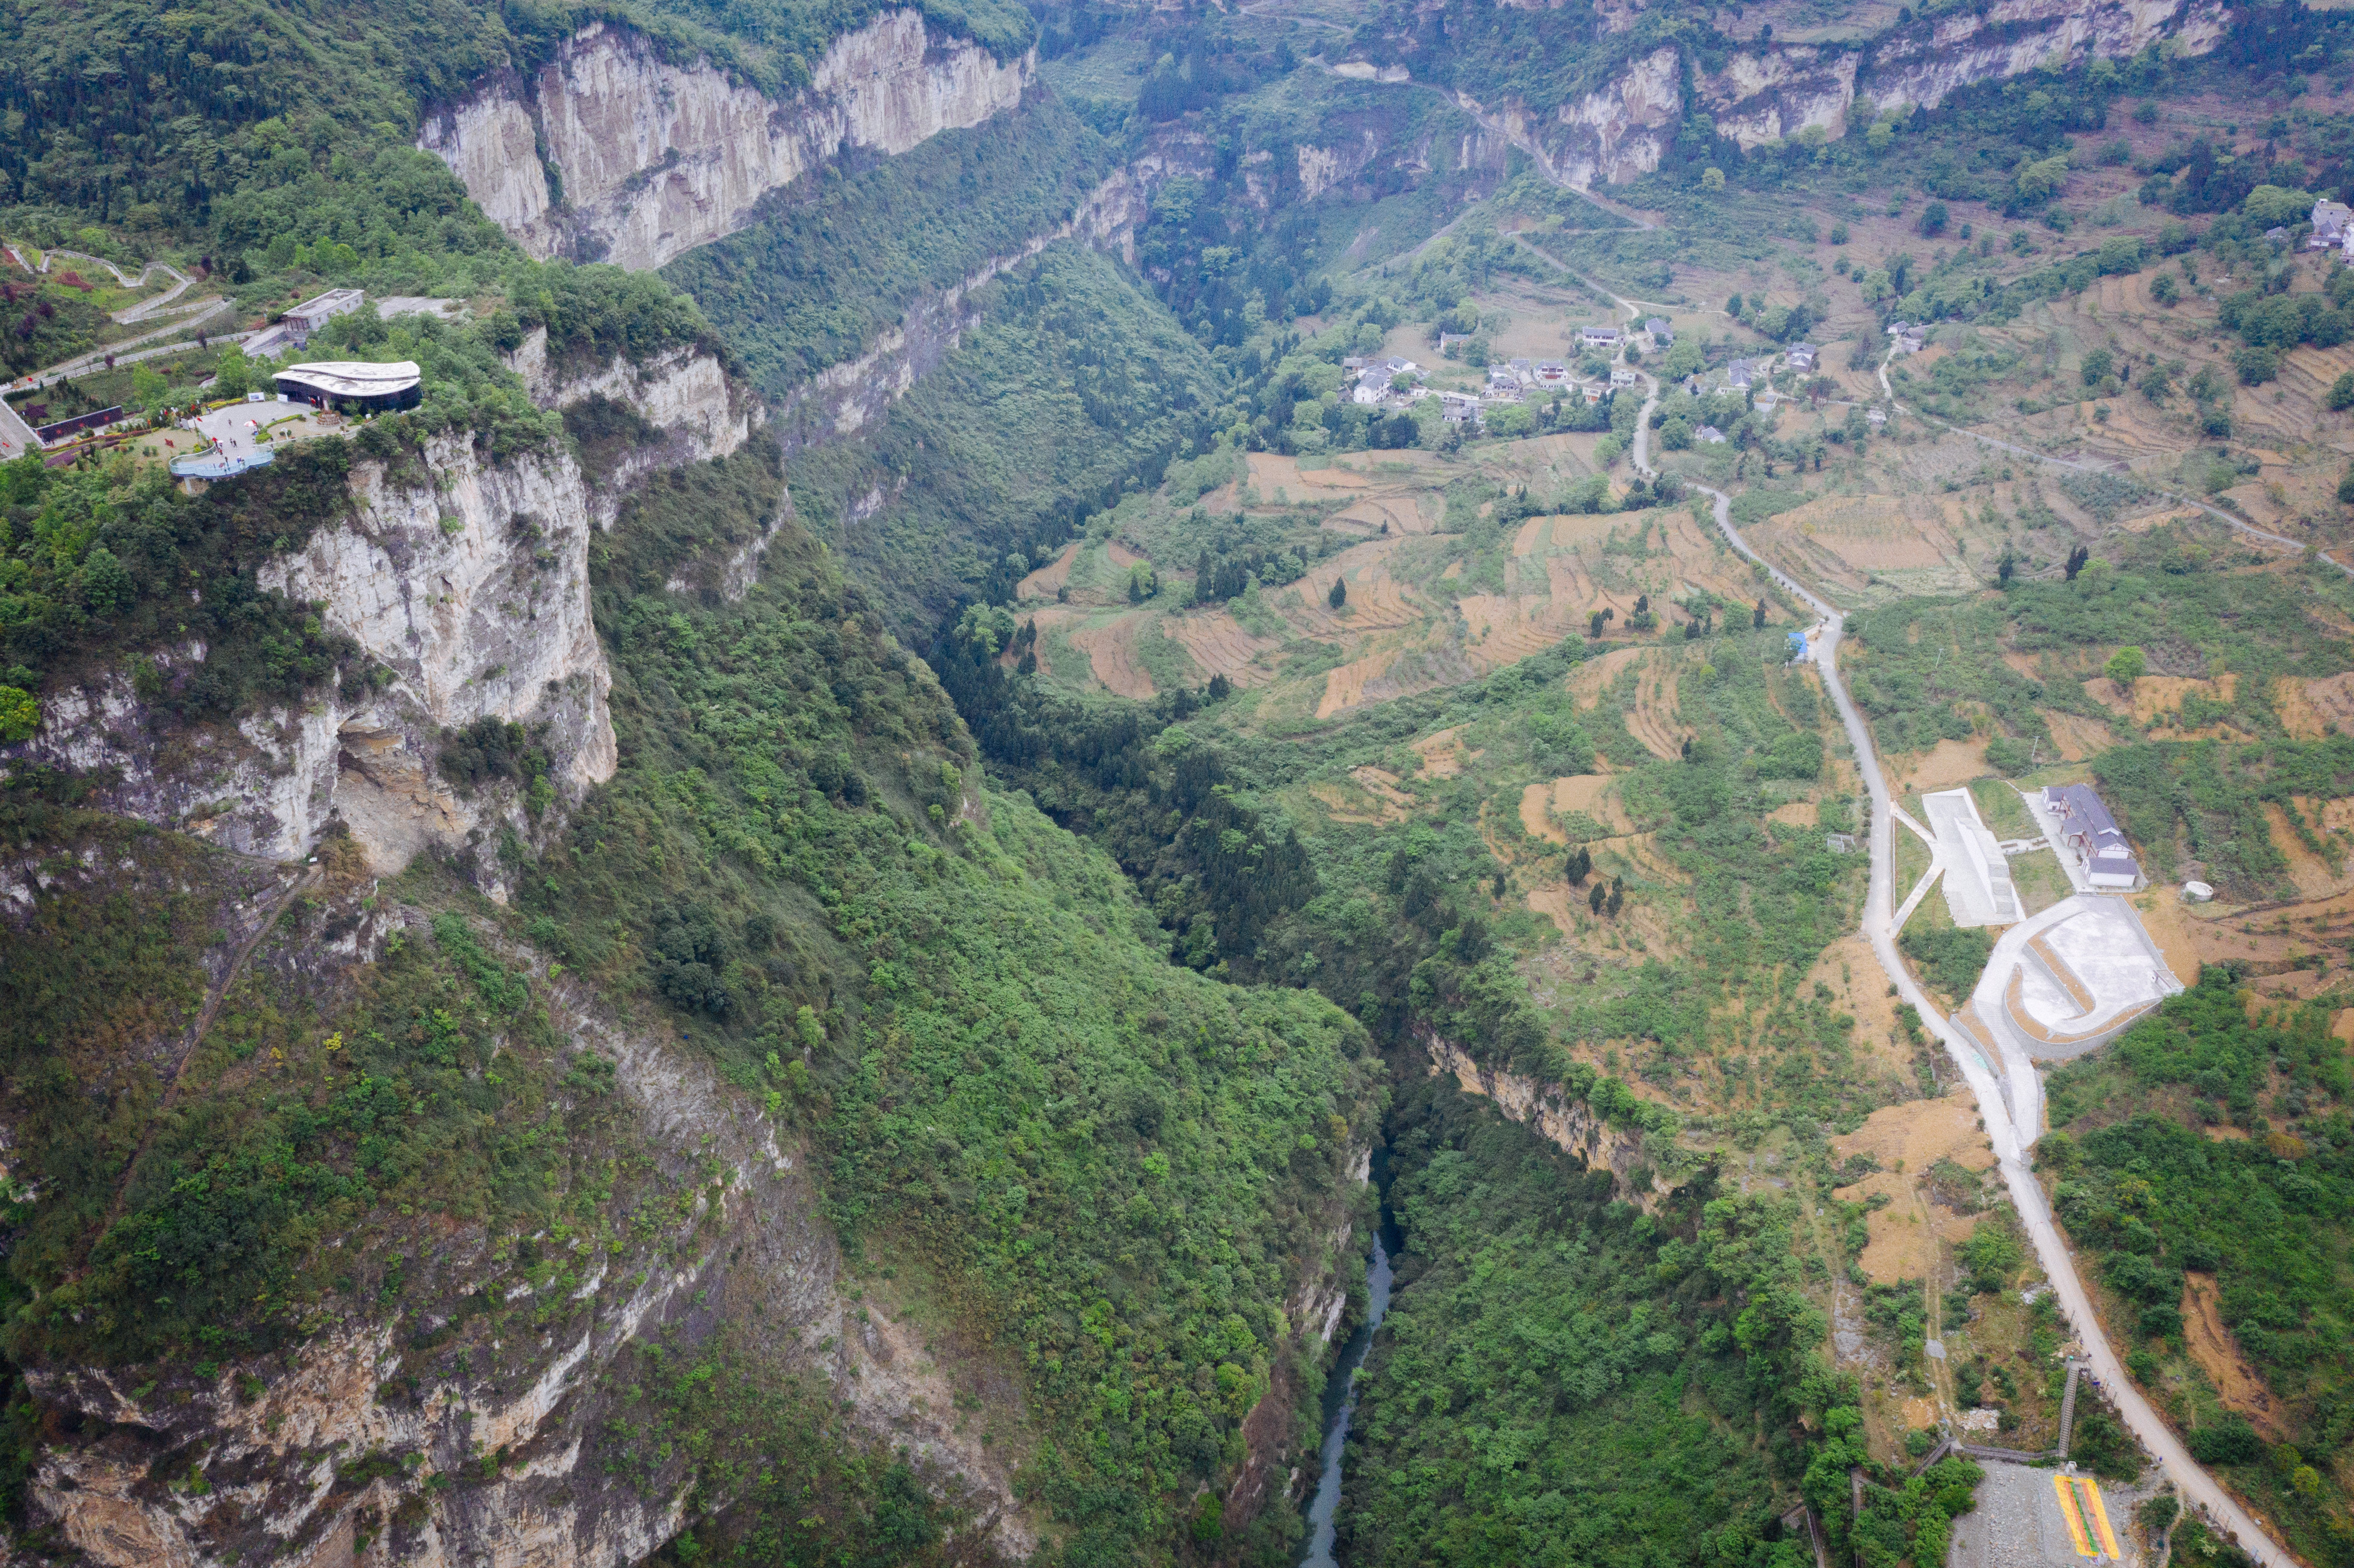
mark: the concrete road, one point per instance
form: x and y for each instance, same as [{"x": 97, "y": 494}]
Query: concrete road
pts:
[{"x": 2198, "y": 1489}]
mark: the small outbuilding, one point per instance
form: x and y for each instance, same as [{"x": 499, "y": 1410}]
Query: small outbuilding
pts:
[
  {"x": 353, "y": 386},
  {"x": 319, "y": 309}
]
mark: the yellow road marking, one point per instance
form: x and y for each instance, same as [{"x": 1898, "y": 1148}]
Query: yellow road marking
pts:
[
  {"x": 2067, "y": 1496},
  {"x": 2100, "y": 1517}
]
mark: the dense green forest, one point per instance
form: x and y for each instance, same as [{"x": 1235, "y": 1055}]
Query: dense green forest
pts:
[
  {"x": 1567, "y": 1379},
  {"x": 2208, "y": 1153}
]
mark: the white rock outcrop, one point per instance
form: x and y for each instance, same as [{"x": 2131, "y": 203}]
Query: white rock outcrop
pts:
[
  {"x": 1621, "y": 132},
  {"x": 653, "y": 157},
  {"x": 1920, "y": 69},
  {"x": 1569, "y": 1125},
  {"x": 683, "y": 392},
  {"x": 468, "y": 582},
  {"x": 1781, "y": 93}
]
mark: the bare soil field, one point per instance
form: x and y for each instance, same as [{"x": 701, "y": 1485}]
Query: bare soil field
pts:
[
  {"x": 1377, "y": 601},
  {"x": 1344, "y": 687},
  {"x": 1654, "y": 718},
  {"x": 1914, "y": 1135},
  {"x": 2078, "y": 737},
  {"x": 1218, "y": 644},
  {"x": 1586, "y": 682},
  {"x": 1387, "y": 516},
  {"x": 1591, "y": 793},
  {"x": 1111, "y": 653},
  {"x": 1384, "y": 786},
  {"x": 1042, "y": 583},
  {"x": 2311, "y": 873},
  {"x": 1351, "y": 802},
  {"x": 1270, "y": 472},
  {"x": 2332, "y": 698},
  {"x": 2155, "y": 694},
  {"x": 1442, "y": 753},
  {"x": 1942, "y": 767}
]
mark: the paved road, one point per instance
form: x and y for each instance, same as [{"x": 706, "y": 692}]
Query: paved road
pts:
[{"x": 2197, "y": 1486}]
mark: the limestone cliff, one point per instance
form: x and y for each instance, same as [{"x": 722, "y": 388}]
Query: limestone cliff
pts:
[
  {"x": 651, "y": 157},
  {"x": 684, "y": 393},
  {"x": 1921, "y": 65},
  {"x": 1779, "y": 93},
  {"x": 1621, "y": 131},
  {"x": 1567, "y": 1124},
  {"x": 466, "y": 583}
]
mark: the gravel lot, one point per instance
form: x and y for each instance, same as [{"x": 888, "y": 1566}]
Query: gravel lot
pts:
[{"x": 2017, "y": 1523}]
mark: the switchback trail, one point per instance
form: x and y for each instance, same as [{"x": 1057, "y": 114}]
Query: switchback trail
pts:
[{"x": 2198, "y": 1487}]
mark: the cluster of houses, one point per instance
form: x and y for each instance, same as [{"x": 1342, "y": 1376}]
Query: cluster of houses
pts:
[
  {"x": 1908, "y": 337},
  {"x": 1397, "y": 381}
]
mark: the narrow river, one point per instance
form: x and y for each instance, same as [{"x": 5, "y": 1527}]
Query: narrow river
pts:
[{"x": 1340, "y": 1400}]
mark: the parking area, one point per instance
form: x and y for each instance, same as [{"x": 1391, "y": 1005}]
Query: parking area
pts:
[{"x": 2028, "y": 1517}]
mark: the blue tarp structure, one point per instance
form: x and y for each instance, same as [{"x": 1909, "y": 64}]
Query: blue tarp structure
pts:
[{"x": 1798, "y": 646}]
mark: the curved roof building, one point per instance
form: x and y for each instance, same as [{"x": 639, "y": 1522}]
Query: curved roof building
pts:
[{"x": 353, "y": 386}]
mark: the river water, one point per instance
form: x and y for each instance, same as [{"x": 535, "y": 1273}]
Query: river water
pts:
[{"x": 1340, "y": 1402}]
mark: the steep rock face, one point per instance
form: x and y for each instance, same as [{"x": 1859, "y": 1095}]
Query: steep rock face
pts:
[
  {"x": 1621, "y": 132},
  {"x": 685, "y": 393},
  {"x": 1923, "y": 66},
  {"x": 1761, "y": 98},
  {"x": 842, "y": 400},
  {"x": 467, "y": 581},
  {"x": 749, "y": 1262},
  {"x": 653, "y": 158},
  {"x": 472, "y": 589},
  {"x": 1568, "y": 1125}
]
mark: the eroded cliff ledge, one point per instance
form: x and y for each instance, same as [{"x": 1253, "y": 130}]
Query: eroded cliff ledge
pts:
[
  {"x": 651, "y": 158},
  {"x": 1621, "y": 131}
]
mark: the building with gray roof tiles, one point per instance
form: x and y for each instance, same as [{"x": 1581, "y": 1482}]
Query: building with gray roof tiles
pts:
[{"x": 2092, "y": 836}]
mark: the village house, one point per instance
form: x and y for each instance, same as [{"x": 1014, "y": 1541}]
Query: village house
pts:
[
  {"x": 1552, "y": 373},
  {"x": 1458, "y": 408},
  {"x": 1600, "y": 336},
  {"x": 2331, "y": 223},
  {"x": 2088, "y": 831},
  {"x": 1710, "y": 435},
  {"x": 1448, "y": 340},
  {"x": 1802, "y": 356},
  {"x": 1621, "y": 377},
  {"x": 1663, "y": 332},
  {"x": 1740, "y": 375},
  {"x": 1875, "y": 417}
]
